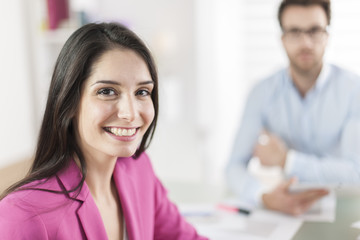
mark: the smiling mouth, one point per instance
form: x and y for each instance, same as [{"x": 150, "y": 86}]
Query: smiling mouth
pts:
[{"x": 121, "y": 132}]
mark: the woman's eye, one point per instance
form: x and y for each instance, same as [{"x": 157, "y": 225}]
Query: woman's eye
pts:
[
  {"x": 106, "y": 92},
  {"x": 143, "y": 92}
]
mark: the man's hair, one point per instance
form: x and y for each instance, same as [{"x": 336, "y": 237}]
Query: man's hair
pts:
[{"x": 325, "y": 4}]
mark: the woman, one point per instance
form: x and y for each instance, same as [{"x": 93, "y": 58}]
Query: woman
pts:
[{"x": 91, "y": 178}]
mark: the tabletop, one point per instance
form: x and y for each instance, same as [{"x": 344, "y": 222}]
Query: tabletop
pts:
[{"x": 347, "y": 210}]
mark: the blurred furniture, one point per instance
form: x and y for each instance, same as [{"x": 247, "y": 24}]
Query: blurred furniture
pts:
[{"x": 347, "y": 212}]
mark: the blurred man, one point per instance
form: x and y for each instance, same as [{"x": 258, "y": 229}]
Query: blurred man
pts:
[{"x": 304, "y": 119}]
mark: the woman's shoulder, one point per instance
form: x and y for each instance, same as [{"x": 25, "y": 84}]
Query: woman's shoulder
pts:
[
  {"x": 33, "y": 198},
  {"x": 38, "y": 205},
  {"x": 18, "y": 220},
  {"x": 15, "y": 207}
]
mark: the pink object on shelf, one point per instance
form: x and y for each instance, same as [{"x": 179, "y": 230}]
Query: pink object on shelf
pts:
[{"x": 58, "y": 10}]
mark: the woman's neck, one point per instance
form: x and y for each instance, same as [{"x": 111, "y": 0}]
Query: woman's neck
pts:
[{"x": 99, "y": 177}]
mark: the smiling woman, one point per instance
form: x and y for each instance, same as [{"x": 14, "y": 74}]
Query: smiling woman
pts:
[{"x": 91, "y": 178}]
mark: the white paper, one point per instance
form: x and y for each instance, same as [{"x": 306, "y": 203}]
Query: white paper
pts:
[
  {"x": 286, "y": 226},
  {"x": 356, "y": 225},
  {"x": 259, "y": 225}
]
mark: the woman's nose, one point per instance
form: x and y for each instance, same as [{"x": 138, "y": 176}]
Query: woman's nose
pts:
[{"x": 127, "y": 108}]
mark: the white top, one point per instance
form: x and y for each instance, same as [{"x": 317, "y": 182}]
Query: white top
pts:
[{"x": 125, "y": 236}]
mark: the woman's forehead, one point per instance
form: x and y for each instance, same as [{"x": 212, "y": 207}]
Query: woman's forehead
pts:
[{"x": 120, "y": 65}]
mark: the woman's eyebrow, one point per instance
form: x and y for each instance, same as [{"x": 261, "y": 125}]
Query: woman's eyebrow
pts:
[
  {"x": 119, "y": 84},
  {"x": 146, "y": 82},
  {"x": 106, "y": 82}
]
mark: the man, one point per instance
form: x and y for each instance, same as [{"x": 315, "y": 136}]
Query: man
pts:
[{"x": 304, "y": 119}]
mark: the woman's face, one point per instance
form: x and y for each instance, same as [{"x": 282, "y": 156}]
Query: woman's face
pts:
[{"x": 115, "y": 107}]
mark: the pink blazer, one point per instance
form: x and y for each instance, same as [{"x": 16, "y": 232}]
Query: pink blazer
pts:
[{"x": 34, "y": 214}]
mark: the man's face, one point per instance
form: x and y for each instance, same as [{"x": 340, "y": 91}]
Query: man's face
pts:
[{"x": 304, "y": 36}]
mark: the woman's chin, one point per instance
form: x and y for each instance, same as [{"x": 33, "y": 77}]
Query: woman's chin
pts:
[{"x": 125, "y": 153}]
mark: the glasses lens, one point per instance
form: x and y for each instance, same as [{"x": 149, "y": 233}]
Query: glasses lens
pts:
[
  {"x": 295, "y": 34},
  {"x": 317, "y": 33}
]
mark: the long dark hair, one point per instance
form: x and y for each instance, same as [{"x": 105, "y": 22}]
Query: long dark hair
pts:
[{"x": 56, "y": 143}]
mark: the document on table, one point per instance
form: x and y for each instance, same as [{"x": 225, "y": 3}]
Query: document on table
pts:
[{"x": 259, "y": 225}]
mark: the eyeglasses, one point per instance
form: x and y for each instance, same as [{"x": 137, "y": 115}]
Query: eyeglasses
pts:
[{"x": 316, "y": 34}]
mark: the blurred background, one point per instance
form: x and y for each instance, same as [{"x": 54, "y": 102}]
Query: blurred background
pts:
[{"x": 209, "y": 54}]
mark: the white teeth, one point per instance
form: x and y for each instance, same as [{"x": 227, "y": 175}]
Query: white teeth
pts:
[{"x": 122, "y": 132}]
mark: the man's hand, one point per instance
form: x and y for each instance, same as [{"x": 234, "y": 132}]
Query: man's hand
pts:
[
  {"x": 270, "y": 150},
  {"x": 280, "y": 199}
]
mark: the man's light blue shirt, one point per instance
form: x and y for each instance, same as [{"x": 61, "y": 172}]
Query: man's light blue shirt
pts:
[{"x": 321, "y": 130}]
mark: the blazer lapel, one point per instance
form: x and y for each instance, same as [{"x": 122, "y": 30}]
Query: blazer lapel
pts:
[{"x": 91, "y": 220}]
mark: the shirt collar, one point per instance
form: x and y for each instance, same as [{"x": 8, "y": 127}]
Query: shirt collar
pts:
[{"x": 323, "y": 77}]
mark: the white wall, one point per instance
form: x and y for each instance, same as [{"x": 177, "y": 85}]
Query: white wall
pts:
[
  {"x": 344, "y": 46},
  {"x": 220, "y": 59},
  {"x": 17, "y": 133}
]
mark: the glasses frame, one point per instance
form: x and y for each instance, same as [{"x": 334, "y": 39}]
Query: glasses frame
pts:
[{"x": 316, "y": 33}]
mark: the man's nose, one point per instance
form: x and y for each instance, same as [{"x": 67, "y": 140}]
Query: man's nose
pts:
[{"x": 306, "y": 39}]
